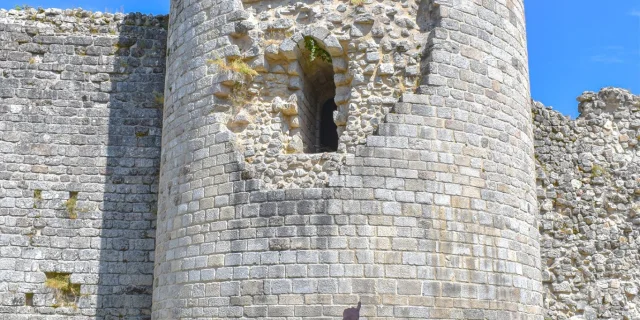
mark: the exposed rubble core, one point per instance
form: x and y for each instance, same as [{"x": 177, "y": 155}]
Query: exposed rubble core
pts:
[
  {"x": 363, "y": 56},
  {"x": 285, "y": 160},
  {"x": 589, "y": 193}
]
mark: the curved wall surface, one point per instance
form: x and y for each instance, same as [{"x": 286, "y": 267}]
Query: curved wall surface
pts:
[{"x": 432, "y": 217}]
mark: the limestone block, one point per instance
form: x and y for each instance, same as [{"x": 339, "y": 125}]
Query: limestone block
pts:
[
  {"x": 295, "y": 69},
  {"x": 333, "y": 46},
  {"x": 319, "y": 33},
  {"x": 288, "y": 49},
  {"x": 339, "y": 118},
  {"x": 294, "y": 122},
  {"x": 295, "y": 83},
  {"x": 339, "y": 65},
  {"x": 281, "y": 24},
  {"x": 272, "y": 52},
  {"x": 278, "y": 69},
  {"x": 386, "y": 69},
  {"x": 295, "y": 145},
  {"x": 241, "y": 119}
]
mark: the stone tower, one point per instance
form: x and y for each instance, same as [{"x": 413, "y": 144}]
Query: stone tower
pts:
[{"x": 424, "y": 207}]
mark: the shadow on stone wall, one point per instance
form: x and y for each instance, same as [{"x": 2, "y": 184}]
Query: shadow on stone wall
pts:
[
  {"x": 80, "y": 127},
  {"x": 135, "y": 101},
  {"x": 427, "y": 20}
]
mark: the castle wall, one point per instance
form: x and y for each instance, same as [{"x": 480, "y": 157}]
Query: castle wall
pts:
[
  {"x": 432, "y": 216},
  {"x": 426, "y": 211},
  {"x": 589, "y": 195},
  {"x": 305, "y": 54},
  {"x": 80, "y": 122}
]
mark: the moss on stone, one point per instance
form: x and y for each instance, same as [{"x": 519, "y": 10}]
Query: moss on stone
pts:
[
  {"x": 37, "y": 197},
  {"x": 597, "y": 171},
  {"x": 71, "y": 205},
  {"x": 66, "y": 293}
]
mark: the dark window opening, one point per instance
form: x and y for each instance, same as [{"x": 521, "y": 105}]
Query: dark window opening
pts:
[
  {"x": 317, "y": 129},
  {"x": 328, "y": 130},
  {"x": 28, "y": 299}
]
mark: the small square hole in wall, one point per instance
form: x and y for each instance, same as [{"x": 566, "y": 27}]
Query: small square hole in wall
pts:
[
  {"x": 66, "y": 293},
  {"x": 71, "y": 204},
  {"x": 28, "y": 299}
]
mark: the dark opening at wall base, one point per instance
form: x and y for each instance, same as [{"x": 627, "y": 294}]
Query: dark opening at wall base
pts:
[{"x": 328, "y": 129}]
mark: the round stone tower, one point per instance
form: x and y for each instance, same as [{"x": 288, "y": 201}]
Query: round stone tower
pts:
[{"x": 422, "y": 206}]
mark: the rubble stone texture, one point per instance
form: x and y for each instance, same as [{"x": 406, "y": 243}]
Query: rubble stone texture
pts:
[
  {"x": 589, "y": 193},
  {"x": 174, "y": 171},
  {"x": 372, "y": 64}
]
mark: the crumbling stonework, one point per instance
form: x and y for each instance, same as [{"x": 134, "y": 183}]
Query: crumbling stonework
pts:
[
  {"x": 589, "y": 193},
  {"x": 425, "y": 209},
  {"x": 432, "y": 215},
  {"x": 372, "y": 52}
]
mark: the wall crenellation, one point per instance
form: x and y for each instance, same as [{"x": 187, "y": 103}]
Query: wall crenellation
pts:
[{"x": 69, "y": 21}]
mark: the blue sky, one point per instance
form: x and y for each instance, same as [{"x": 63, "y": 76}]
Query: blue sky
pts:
[
  {"x": 574, "y": 45},
  {"x": 145, "y": 6},
  {"x": 580, "y": 45}
]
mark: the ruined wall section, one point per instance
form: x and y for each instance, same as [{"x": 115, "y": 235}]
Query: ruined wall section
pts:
[
  {"x": 80, "y": 126},
  {"x": 433, "y": 216},
  {"x": 373, "y": 50},
  {"x": 589, "y": 193}
]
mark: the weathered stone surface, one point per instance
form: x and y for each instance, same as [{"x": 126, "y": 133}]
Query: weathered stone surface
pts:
[
  {"x": 81, "y": 98},
  {"x": 427, "y": 209},
  {"x": 588, "y": 178}
]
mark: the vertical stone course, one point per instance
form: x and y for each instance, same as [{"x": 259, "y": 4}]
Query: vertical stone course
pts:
[{"x": 80, "y": 127}]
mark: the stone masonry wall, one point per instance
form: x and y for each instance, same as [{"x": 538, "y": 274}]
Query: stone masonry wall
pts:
[
  {"x": 427, "y": 211},
  {"x": 589, "y": 194},
  {"x": 373, "y": 61},
  {"x": 80, "y": 126},
  {"x": 432, "y": 216}
]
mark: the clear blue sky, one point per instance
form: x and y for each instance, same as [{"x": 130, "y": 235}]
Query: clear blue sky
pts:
[
  {"x": 580, "y": 45},
  {"x": 145, "y": 6},
  {"x": 574, "y": 45}
]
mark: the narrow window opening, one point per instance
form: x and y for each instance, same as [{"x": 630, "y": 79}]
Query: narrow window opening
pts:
[
  {"x": 328, "y": 129},
  {"x": 28, "y": 299},
  {"x": 317, "y": 130}
]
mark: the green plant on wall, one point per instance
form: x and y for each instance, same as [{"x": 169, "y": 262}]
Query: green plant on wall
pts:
[
  {"x": 597, "y": 171},
  {"x": 240, "y": 90},
  {"x": 72, "y": 204},
  {"x": 37, "y": 198},
  {"x": 158, "y": 99},
  {"x": 315, "y": 51},
  {"x": 66, "y": 293},
  {"x": 237, "y": 66}
]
